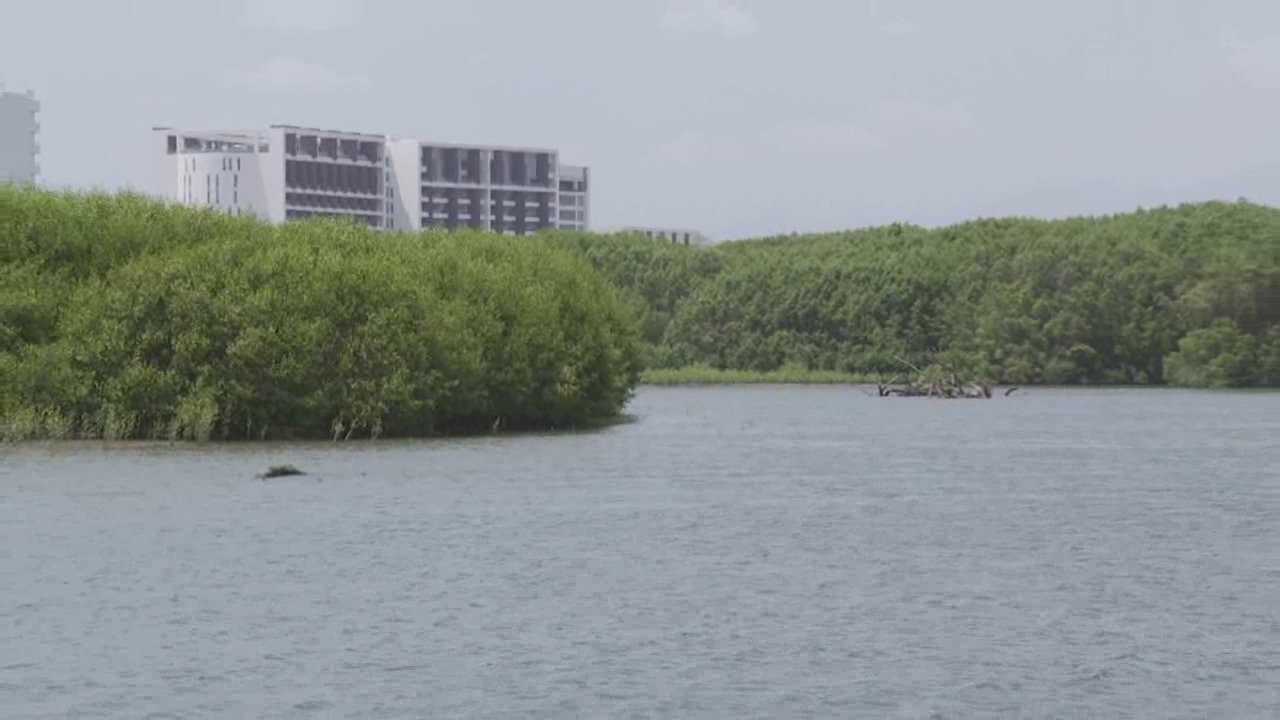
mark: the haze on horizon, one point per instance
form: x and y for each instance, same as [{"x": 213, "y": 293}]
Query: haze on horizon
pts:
[{"x": 742, "y": 119}]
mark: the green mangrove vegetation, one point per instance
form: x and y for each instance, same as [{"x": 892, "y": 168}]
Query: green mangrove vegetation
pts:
[
  {"x": 123, "y": 317},
  {"x": 1186, "y": 296},
  {"x": 126, "y": 318}
]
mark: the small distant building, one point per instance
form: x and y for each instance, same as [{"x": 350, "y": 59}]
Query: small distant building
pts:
[
  {"x": 19, "y": 132},
  {"x": 679, "y": 236}
]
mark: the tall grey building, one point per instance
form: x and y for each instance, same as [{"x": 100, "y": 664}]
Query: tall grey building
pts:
[
  {"x": 19, "y": 132},
  {"x": 504, "y": 189}
]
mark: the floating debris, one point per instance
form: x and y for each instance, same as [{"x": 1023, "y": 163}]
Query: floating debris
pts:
[
  {"x": 276, "y": 471},
  {"x": 936, "y": 382}
]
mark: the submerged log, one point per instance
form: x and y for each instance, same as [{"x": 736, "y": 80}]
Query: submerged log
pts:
[{"x": 276, "y": 471}]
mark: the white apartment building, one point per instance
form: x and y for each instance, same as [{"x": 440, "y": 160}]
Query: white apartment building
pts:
[
  {"x": 288, "y": 172},
  {"x": 19, "y": 131},
  {"x": 575, "y": 210},
  {"x": 680, "y": 236},
  {"x": 282, "y": 173}
]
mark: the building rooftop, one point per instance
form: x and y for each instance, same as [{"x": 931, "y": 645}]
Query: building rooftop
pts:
[
  {"x": 326, "y": 131},
  {"x": 24, "y": 93},
  {"x": 477, "y": 146}
]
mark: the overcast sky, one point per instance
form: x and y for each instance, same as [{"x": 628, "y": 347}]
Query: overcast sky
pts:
[{"x": 740, "y": 118}]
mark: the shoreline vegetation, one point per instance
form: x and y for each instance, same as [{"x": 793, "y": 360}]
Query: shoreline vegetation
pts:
[
  {"x": 703, "y": 376},
  {"x": 124, "y": 318},
  {"x": 791, "y": 375},
  {"x": 128, "y": 318}
]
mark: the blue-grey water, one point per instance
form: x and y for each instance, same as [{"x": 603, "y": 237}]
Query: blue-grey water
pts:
[{"x": 765, "y": 552}]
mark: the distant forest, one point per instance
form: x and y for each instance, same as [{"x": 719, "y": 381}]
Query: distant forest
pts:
[{"x": 1186, "y": 296}]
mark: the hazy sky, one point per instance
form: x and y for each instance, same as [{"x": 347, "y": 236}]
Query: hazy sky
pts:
[{"x": 740, "y": 118}]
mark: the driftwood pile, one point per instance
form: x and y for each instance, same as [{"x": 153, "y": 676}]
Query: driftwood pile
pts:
[
  {"x": 948, "y": 389},
  {"x": 938, "y": 382}
]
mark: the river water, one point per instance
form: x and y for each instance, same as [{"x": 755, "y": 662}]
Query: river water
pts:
[{"x": 734, "y": 552}]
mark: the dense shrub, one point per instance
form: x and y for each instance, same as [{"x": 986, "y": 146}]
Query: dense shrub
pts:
[
  {"x": 127, "y": 318},
  {"x": 653, "y": 278}
]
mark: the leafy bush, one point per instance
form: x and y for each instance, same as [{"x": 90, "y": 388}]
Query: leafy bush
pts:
[
  {"x": 1217, "y": 356},
  {"x": 169, "y": 322}
]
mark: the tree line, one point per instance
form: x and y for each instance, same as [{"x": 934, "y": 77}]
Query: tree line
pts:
[
  {"x": 1186, "y": 295},
  {"x": 125, "y": 317}
]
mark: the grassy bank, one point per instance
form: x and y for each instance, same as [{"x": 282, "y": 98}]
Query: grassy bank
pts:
[{"x": 704, "y": 375}]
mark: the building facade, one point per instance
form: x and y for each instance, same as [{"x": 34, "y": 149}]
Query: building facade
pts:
[
  {"x": 288, "y": 172},
  {"x": 282, "y": 173},
  {"x": 19, "y": 137},
  {"x": 575, "y": 210},
  {"x": 500, "y": 189},
  {"x": 680, "y": 236}
]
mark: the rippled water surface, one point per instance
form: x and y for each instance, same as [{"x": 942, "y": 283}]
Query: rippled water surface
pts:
[{"x": 735, "y": 552}]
